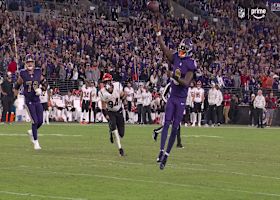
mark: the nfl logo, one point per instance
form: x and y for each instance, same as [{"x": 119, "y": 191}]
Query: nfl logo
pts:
[{"x": 241, "y": 12}]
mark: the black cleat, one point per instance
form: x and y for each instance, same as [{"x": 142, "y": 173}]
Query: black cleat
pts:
[
  {"x": 155, "y": 134},
  {"x": 163, "y": 162},
  {"x": 159, "y": 156},
  {"x": 121, "y": 152},
  {"x": 180, "y": 146},
  {"x": 111, "y": 137}
]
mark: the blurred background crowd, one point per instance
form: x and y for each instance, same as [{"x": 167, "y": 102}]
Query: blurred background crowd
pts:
[{"x": 76, "y": 43}]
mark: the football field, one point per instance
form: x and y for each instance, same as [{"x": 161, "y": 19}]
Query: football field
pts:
[{"x": 78, "y": 163}]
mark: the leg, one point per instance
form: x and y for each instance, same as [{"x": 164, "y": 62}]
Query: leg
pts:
[
  {"x": 179, "y": 110},
  {"x": 149, "y": 115},
  {"x": 120, "y": 125},
  {"x": 169, "y": 113},
  {"x": 179, "y": 141},
  {"x": 5, "y": 108},
  {"x": 31, "y": 109},
  {"x": 39, "y": 112}
]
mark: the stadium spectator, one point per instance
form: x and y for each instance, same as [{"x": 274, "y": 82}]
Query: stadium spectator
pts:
[{"x": 270, "y": 107}]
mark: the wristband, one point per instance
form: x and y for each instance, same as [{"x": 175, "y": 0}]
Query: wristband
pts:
[{"x": 158, "y": 33}]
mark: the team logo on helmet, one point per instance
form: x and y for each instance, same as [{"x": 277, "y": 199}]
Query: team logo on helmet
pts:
[{"x": 185, "y": 48}]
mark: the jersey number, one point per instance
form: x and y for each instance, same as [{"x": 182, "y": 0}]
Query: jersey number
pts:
[
  {"x": 31, "y": 84},
  {"x": 111, "y": 103}
]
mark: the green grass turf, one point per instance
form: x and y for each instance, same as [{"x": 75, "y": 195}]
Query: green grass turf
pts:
[{"x": 78, "y": 162}]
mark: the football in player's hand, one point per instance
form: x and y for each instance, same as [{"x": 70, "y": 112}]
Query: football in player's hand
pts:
[{"x": 153, "y": 6}]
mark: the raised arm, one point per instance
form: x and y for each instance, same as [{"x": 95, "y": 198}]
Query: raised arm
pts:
[
  {"x": 166, "y": 51},
  {"x": 17, "y": 85}
]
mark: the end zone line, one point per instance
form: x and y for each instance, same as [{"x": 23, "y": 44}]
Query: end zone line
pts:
[{"x": 39, "y": 195}]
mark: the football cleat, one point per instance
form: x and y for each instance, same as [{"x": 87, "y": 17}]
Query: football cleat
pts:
[
  {"x": 163, "y": 162},
  {"x": 155, "y": 134},
  {"x": 180, "y": 146},
  {"x": 159, "y": 156},
  {"x": 37, "y": 145},
  {"x": 121, "y": 152},
  {"x": 29, "y": 133}
]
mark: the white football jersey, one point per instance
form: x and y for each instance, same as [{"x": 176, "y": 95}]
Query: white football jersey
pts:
[
  {"x": 86, "y": 93},
  {"x": 77, "y": 101},
  {"x": 58, "y": 100},
  {"x": 198, "y": 95},
  {"x": 44, "y": 97},
  {"x": 113, "y": 100},
  {"x": 130, "y": 93},
  {"x": 191, "y": 94},
  {"x": 69, "y": 100}
]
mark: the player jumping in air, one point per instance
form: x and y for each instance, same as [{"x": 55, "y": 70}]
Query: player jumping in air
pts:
[
  {"x": 111, "y": 97},
  {"x": 181, "y": 76},
  {"x": 31, "y": 78},
  {"x": 157, "y": 131}
]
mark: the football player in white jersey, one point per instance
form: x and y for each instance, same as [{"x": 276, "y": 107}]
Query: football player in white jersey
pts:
[
  {"x": 59, "y": 106},
  {"x": 44, "y": 99},
  {"x": 198, "y": 104},
  {"x": 130, "y": 96},
  {"x": 112, "y": 108},
  {"x": 77, "y": 105},
  {"x": 69, "y": 104},
  {"x": 190, "y": 103},
  {"x": 86, "y": 101}
]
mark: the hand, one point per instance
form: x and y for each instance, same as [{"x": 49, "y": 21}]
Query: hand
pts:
[{"x": 38, "y": 91}]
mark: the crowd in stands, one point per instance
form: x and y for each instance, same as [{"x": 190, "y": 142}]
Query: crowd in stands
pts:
[{"x": 77, "y": 48}]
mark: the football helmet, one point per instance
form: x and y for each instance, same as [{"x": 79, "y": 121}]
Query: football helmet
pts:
[
  {"x": 29, "y": 62},
  {"x": 185, "y": 48}
]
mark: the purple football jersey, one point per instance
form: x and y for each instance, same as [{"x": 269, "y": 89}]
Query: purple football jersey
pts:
[
  {"x": 30, "y": 83},
  {"x": 181, "y": 65}
]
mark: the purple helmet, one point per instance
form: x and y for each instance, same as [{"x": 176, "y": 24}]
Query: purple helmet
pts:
[
  {"x": 29, "y": 62},
  {"x": 185, "y": 48}
]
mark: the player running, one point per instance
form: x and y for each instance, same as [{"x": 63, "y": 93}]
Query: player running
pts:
[
  {"x": 31, "y": 78},
  {"x": 181, "y": 75},
  {"x": 111, "y": 97},
  {"x": 198, "y": 104},
  {"x": 157, "y": 131}
]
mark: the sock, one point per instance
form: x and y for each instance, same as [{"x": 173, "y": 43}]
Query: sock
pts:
[
  {"x": 171, "y": 139},
  {"x": 117, "y": 138},
  {"x": 194, "y": 117},
  {"x": 199, "y": 118},
  {"x": 164, "y": 134},
  {"x": 47, "y": 116},
  {"x": 191, "y": 117},
  {"x": 166, "y": 154},
  {"x": 34, "y": 131},
  {"x": 44, "y": 116},
  {"x": 158, "y": 130}
]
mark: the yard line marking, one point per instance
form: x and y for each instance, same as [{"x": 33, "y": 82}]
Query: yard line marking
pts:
[
  {"x": 24, "y": 135},
  {"x": 170, "y": 165},
  {"x": 39, "y": 195},
  {"x": 198, "y": 136},
  {"x": 156, "y": 182}
]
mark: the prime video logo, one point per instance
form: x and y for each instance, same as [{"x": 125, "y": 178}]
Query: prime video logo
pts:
[
  {"x": 247, "y": 13},
  {"x": 258, "y": 13}
]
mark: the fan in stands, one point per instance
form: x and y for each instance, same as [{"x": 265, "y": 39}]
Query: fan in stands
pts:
[{"x": 153, "y": 6}]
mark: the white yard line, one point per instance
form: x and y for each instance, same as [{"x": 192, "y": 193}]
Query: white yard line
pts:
[
  {"x": 25, "y": 135},
  {"x": 39, "y": 195},
  {"x": 155, "y": 183}
]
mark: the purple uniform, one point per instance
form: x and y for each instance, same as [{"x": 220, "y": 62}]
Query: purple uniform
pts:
[
  {"x": 30, "y": 83},
  {"x": 176, "y": 103}
]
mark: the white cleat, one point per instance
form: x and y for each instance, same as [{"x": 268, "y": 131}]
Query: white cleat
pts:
[
  {"x": 37, "y": 145},
  {"x": 199, "y": 125},
  {"x": 186, "y": 124},
  {"x": 29, "y": 133},
  {"x": 193, "y": 125}
]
